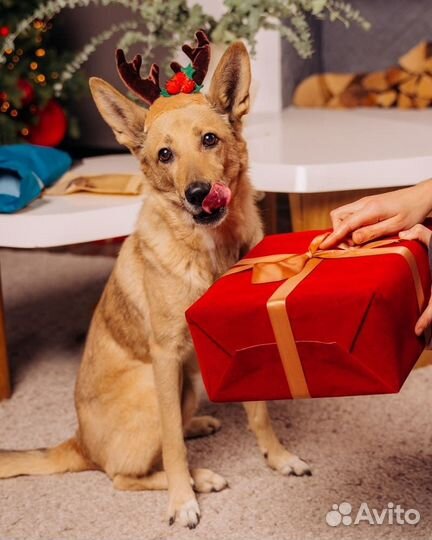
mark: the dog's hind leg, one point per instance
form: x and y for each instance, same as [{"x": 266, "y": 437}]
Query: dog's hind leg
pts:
[
  {"x": 195, "y": 426},
  {"x": 203, "y": 481},
  {"x": 154, "y": 481},
  {"x": 66, "y": 457},
  {"x": 201, "y": 426},
  {"x": 276, "y": 455}
]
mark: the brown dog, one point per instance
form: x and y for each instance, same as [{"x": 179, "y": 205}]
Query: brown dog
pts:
[{"x": 137, "y": 388}]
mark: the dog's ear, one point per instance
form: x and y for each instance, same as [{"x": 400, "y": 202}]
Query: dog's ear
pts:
[
  {"x": 229, "y": 89},
  {"x": 124, "y": 117}
]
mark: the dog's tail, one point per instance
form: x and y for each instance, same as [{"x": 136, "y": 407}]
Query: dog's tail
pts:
[{"x": 66, "y": 457}]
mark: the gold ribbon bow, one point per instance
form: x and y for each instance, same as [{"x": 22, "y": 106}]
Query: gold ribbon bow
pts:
[{"x": 293, "y": 268}]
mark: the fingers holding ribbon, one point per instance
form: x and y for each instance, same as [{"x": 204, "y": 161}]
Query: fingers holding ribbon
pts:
[
  {"x": 424, "y": 235},
  {"x": 418, "y": 232}
]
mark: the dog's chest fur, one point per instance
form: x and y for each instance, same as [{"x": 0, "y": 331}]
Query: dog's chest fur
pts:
[{"x": 156, "y": 278}]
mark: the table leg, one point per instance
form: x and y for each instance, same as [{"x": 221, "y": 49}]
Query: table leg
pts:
[
  {"x": 5, "y": 387},
  {"x": 312, "y": 210}
]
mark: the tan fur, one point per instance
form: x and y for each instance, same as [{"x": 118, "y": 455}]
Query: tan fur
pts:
[{"x": 137, "y": 387}]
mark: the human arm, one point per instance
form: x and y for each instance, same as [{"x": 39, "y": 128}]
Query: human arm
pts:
[
  {"x": 380, "y": 215},
  {"x": 423, "y": 234}
]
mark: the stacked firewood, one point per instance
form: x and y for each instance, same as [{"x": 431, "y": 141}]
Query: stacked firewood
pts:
[{"x": 406, "y": 86}]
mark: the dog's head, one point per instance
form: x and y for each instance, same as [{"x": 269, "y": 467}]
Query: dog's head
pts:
[{"x": 189, "y": 145}]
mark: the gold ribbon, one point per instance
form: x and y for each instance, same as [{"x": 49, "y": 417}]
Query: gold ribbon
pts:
[{"x": 293, "y": 269}]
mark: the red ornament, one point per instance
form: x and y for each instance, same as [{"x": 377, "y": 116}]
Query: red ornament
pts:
[
  {"x": 52, "y": 126},
  {"x": 28, "y": 92},
  {"x": 4, "y": 31}
]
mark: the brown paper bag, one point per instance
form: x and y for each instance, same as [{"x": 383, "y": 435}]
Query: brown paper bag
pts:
[{"x": 110, "y": 184}]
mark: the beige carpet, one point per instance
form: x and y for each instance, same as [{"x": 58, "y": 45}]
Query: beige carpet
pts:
[{"x": 374, "y": 450}]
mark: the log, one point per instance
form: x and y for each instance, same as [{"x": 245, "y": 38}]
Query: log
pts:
[
  {"x": 424, "y": 88},
  {"x": 406, "y": 86},
  {"x": 312, "y": 92},
  {"x": 386, "y": 99},
  {"x": 404, "y": 102},
  {"x": 335, "y": 103},
  {"x": 357, "y": 96},
  {"x": 421, "y": 103},
  {"x": 375, "y": 81},
  {"x": 337, "y": 83},
  {"x": 428, "y": 65},
  {"x": 396, "y": 76},
  {"x": 409, "y": 87},
  {"x": 415, "y": 59}
]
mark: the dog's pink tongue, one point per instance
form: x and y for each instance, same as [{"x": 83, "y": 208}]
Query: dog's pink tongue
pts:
[{"x": 219, "y": 197}]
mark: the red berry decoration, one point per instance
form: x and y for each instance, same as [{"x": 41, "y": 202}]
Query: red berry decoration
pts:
[
  {"x": 28, "y": 92},
  {"x": 188, "y": 86},
  {"x": 52, "y": 126},
  {"x": 174, "y": 85},
  {"x": 180, "y": 77},
  {"x": 4, "y": 31},
  {"x": 181, "y": 82}
]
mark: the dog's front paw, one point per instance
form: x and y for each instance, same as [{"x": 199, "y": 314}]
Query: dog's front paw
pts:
[
  {"x": 201, "y": 426},
  {"x": 206, "y": 481},
  {"x": 287, "y": 463},
  {"x": 186, "y": 512}
]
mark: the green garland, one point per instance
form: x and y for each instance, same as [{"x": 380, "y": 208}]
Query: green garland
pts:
[{"x": 24, "y": 34}]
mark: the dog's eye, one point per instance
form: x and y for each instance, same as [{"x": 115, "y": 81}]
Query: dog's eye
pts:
[
  {"x": 210, "y": 139},
  {"x": 165, "y": 155}
]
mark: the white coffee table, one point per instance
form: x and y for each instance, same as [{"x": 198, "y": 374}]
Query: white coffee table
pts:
[{"x": 322, "y": 150}]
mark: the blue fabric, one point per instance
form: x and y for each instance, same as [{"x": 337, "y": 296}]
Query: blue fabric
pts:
[{"x": 25, "y": 170}]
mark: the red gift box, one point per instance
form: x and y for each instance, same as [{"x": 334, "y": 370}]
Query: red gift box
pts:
[{"x": 352, "y": 320}]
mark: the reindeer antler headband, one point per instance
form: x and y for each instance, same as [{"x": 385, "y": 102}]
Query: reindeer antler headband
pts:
[{"x": 186, "y": 80}]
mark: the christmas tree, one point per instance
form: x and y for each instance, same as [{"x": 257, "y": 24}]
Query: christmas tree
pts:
[{"x": 29, "y": 108}]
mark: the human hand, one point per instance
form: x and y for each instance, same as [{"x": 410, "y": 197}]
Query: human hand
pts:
[
  {"x": 422, "y": 233},
  {"x": 380, "y": 215}
]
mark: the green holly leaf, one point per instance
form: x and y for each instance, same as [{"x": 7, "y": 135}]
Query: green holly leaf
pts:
[{"x": 189, "y": 71}]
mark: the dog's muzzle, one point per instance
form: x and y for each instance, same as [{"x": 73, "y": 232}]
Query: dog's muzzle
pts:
[{"x": 208, "y": 203}]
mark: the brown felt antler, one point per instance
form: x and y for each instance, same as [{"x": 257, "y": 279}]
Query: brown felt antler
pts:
[
  {"x": 199, "y": 55},
  {"x": 147, "y": 89}
]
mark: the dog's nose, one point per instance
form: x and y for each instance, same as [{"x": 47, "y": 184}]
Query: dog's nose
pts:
[{"x": 197, "y": 192}]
